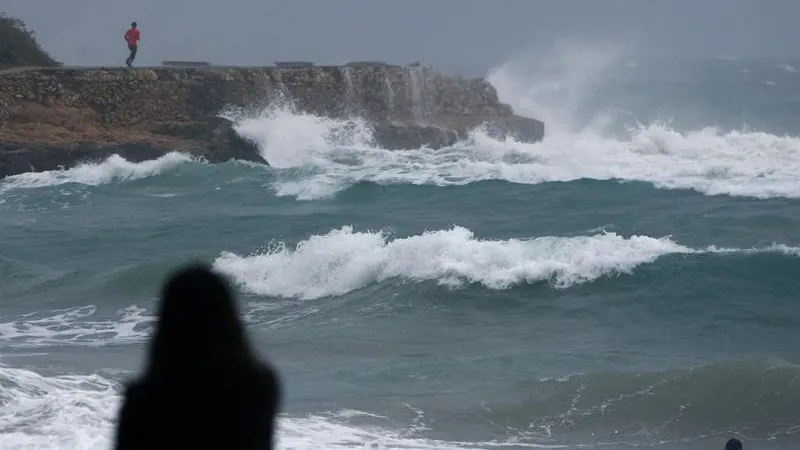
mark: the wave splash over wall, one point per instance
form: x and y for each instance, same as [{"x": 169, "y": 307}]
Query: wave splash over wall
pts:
[{"x": 317, "y": 157}]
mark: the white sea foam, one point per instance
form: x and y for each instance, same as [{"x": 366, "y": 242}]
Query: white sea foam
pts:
[
  {"x": 75, "y": 326},
  {"x": 70, "y": 411},
  {"x": 80, "y": 326},
  {"x": 78, "y": 412}
]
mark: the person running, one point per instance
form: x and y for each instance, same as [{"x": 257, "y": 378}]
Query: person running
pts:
[{"x": 132, "y": 38}]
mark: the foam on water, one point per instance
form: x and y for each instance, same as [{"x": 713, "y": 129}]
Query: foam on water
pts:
[
  {"x": 78, "y": 411},
  {"x": 345, "y": 260},
  {"x": 709, "y": 161},
  {"x": 75, "y": 326},
  {"x": 132, "y": 325},
  {"x": 68, "y": 411},
  {"x": 319, "y": 157},
  {"x": 114, "y": 168}
]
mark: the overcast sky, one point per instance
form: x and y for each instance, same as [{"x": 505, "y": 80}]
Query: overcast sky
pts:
[{"x": 448, "y": 34}]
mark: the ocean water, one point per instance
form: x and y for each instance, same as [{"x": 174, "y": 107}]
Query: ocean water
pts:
[{"x": 632, "y": 281}]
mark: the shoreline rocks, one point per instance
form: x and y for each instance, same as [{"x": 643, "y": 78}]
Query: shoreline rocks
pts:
[{"x": 61, "y": 116}]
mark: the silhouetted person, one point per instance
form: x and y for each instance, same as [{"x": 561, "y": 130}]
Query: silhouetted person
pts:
[
  {"x": 202, "y": 387},
  {"x": 733, "y": 444},
  {"x": 132, "y": 38}
]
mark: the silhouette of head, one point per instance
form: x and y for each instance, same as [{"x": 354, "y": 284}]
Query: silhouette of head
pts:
[
  {"x": 133, "y": 25},
  {"x": 733, "y": 444},
  {"x": 198, "y": 327}
]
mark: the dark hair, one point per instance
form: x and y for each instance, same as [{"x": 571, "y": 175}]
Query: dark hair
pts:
[
  {"x": 133, "y": 24},
  {"x": 198, "y": 329},
  {"x": 733, "y": 444}
]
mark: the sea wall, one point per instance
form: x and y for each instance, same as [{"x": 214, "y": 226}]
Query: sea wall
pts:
[{"x": 178, "y": 107}]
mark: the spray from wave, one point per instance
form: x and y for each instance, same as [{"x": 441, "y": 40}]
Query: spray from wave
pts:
[
  {"x": 316, "y": 157},
  {"x": 344, "y": 260},
  {"x": 289, "y": 138},
  {"x": 554, "y": 85}
]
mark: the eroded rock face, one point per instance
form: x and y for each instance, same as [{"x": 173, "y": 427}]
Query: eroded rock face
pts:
[
  {"x": 52, "y": 117},
  {"x": 521, "y": 129},
  {"x": 222, "y": 144},
  {"x": 225, "y": 144},
  {"x": 401, "y": 136}
]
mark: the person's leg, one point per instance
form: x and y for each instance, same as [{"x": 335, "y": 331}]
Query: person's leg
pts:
[{"x": 132, "y": 56}]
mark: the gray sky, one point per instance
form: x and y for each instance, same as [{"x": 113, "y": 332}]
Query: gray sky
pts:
[{"x": 447, "y": 34}]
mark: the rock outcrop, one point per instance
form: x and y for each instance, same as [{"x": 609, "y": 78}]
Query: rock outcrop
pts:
[{"x": 58, "y": 116}]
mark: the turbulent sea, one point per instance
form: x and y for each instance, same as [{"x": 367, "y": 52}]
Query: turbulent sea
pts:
[{"x": 632, "y": 281}]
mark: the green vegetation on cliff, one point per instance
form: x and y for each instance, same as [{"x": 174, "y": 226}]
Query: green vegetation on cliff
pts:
[{"x": 18, "y": 46}]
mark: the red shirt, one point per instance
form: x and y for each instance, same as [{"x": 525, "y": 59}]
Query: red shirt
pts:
[{"x": 132, "y": 36}]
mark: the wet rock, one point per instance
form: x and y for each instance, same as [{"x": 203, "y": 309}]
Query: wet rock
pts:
[{"x": 393, "y": 136}]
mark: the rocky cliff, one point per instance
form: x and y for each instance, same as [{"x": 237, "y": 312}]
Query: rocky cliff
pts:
[{"x": 57, "y": 116}]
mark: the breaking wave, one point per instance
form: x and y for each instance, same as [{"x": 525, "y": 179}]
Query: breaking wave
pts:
[
  {"x": 345, "y": 260},
  {"x": 113, "y": 168}
]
